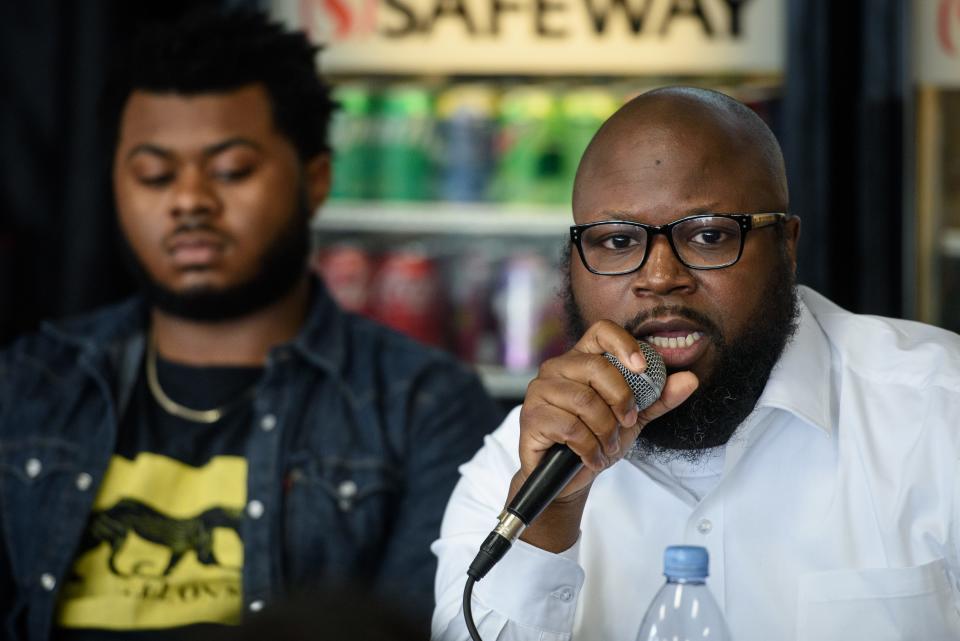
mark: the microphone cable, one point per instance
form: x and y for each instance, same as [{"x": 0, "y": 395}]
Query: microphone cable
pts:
[{"x": 468, "y": 609}]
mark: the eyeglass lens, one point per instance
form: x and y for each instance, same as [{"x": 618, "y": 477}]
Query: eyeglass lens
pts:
[{"x": 708, "y": 241}]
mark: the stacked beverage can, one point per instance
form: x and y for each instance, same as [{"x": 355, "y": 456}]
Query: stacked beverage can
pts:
[
  {"x": 466, "y": 122},
  {"x": 474, "y": 333},
  {"x": 528, "y": 308},
  {"x": 405, "y": 144},
  {"x": 408, "y": 296},
  {"x": 347, "y": 270},
  {"x": 352, "y": 139}
]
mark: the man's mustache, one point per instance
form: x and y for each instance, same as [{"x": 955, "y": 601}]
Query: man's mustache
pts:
[
  {"x": 665, "y": 311},
  {"x": 194, "y": 224}
]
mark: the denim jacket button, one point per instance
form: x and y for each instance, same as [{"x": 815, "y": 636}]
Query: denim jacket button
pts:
[
  {"x": 255, "y": 509},
  {"x": 268, "y": 422},
  {"x": 33, "y": 467},
  {"x": 347, "y": 490},
  {"x": 48, "y": 581},
  {"x": 83, "y": 481}
]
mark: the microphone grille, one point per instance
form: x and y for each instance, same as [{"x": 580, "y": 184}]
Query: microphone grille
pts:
[{"x": 648, "y": 384}]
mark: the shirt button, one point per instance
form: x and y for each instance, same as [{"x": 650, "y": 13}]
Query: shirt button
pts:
[
  {"x": 33, "y": 467},
  {"x": 268, "y": 422},
  {"x": 704, "y": 526},
  {"x": 564, "y": 594},
  {"x": 256, "y": 606},
  {"x": 48, "y": 581},
  {"x": 83, "y": 481},
  {"x": 255, "y": 510}
]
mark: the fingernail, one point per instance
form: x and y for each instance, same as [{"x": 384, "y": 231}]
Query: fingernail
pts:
[
  {"x": 637, "y": 363},
  {"x": 631, "y": 418}
]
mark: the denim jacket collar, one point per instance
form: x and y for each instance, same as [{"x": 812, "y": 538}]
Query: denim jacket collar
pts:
[{"x": 320, "y": 340}]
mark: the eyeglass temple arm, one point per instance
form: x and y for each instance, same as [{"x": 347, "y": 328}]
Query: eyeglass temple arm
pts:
[{"x": 762, "y": 220}]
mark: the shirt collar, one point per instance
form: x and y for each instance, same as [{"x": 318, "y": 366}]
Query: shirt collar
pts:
[
  {"x": 800, "y": 381},
  {"x": 321, "y": 340}
]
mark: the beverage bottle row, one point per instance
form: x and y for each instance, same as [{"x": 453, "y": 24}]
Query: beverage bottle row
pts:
[
  {"x": 463, "y": 142},
  {"x": 501, "y": 310},
  {"x": 473, "y": 141}
]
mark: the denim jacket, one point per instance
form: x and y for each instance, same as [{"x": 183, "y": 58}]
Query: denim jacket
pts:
[{"x": 357, "y": 436}]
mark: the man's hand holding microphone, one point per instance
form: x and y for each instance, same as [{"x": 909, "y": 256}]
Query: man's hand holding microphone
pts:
[
  {"x": 582, "y": 399},
  {"x": 581, "y": 414}
]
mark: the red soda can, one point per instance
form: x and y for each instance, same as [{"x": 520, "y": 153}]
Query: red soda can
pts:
[
  {"x": 408, "y": 296},
  {"x": 347, "y": 271}
]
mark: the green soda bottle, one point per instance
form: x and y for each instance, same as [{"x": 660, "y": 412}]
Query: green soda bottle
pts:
[
  {"x": 528, "y": 164},
  {"x": 406, "y": 141},
  {"x": 351, "y": 136},
  {"x": 584, "y": 109}
]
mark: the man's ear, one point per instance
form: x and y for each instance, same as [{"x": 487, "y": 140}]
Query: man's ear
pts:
[
  {"x": 792, "y": 231},
  {"x": 317, "y": 176}
]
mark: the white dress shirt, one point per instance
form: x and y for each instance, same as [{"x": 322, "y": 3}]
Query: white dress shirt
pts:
[{"x": 830, "y": 515}]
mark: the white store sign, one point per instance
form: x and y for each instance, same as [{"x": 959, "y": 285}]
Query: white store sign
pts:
[
  {"x": 936, "y": 42},
  {"x": 544, "y": 36}
]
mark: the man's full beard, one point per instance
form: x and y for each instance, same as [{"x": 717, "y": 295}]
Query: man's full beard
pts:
[
  {"x": 710, "y": 416},
  {"x": 281, "y": 268}
]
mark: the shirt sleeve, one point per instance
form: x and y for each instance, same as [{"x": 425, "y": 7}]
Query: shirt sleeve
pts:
[{"x": 531, "y": 593}]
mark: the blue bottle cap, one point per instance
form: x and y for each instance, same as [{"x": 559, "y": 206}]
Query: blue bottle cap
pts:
[{"x": 686, "y": 562}]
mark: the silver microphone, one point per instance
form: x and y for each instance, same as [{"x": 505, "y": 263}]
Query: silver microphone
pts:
[{"x": 648, "y": 384}]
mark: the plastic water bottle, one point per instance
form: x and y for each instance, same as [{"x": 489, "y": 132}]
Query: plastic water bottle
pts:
[{"x": 683, "y": 609}]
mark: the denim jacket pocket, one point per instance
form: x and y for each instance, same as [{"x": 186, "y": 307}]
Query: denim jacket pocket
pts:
[
  {"x": 41, "y": 481},
  {"x": 338, "y": 514}
]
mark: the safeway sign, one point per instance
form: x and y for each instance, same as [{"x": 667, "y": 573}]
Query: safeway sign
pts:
[
  {"x": 936, "y": 41},
  {"x": 544, "y": 36}
]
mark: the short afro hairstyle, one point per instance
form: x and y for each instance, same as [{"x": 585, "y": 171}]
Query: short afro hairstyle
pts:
[{"x": 211, "y": 51}]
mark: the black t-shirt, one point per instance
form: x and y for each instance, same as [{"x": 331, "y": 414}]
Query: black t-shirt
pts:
[{"x": 162, "y": 551}]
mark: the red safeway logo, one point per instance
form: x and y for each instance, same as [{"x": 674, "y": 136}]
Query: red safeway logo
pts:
[
  {"x": 947, "y": 15},
  {"x": 326, "y": 20}
]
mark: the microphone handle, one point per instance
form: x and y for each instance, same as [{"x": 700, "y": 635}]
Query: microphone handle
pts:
[{"x": 551, "y": 475}]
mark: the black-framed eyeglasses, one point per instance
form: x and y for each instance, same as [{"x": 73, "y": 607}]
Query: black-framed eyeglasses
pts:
[{"x": 702, "y": 241}]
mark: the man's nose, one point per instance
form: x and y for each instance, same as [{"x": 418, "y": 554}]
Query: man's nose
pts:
[
  {"x": 662, "y": 272},
  {"x": 193, "y": 194}
]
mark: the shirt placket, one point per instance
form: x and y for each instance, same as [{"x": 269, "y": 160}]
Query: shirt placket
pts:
[
  {"x": 263, "y": 505},
  {"x": 705, "y": 528}
]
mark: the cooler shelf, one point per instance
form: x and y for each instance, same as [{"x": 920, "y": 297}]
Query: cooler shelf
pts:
[
  {"x": 503, "y": 383},
  {"x": 444, "y": 218},
  {"x": 950, "y": 242}
]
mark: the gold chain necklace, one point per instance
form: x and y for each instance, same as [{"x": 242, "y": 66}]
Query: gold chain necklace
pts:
[{"x": 172, "y": 407}]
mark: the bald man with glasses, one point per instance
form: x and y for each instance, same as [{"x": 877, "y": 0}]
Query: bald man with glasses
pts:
[{"x": 812, "y": 451}]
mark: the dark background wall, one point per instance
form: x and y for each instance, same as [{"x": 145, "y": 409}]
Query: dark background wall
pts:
[
  {"x": 57, "y": 232},
  {"x": 845, "y": 97},
  {"x": 843, "y": 122}
]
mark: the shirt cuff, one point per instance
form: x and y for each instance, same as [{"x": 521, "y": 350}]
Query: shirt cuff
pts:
[{"x": 535, "y": 588}]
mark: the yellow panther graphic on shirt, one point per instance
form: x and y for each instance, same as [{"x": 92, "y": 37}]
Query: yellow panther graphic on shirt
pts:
[{"x": 162, "y": 547}]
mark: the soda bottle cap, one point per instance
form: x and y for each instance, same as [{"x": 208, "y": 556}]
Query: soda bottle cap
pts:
[
  {"x": 352, "y": 98},
  {"x": 407, "y": 101},
  {"x": 476, "y": 100},
  {"x": 592, "y": 104},
  {"x": 686, "y": 562}
]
